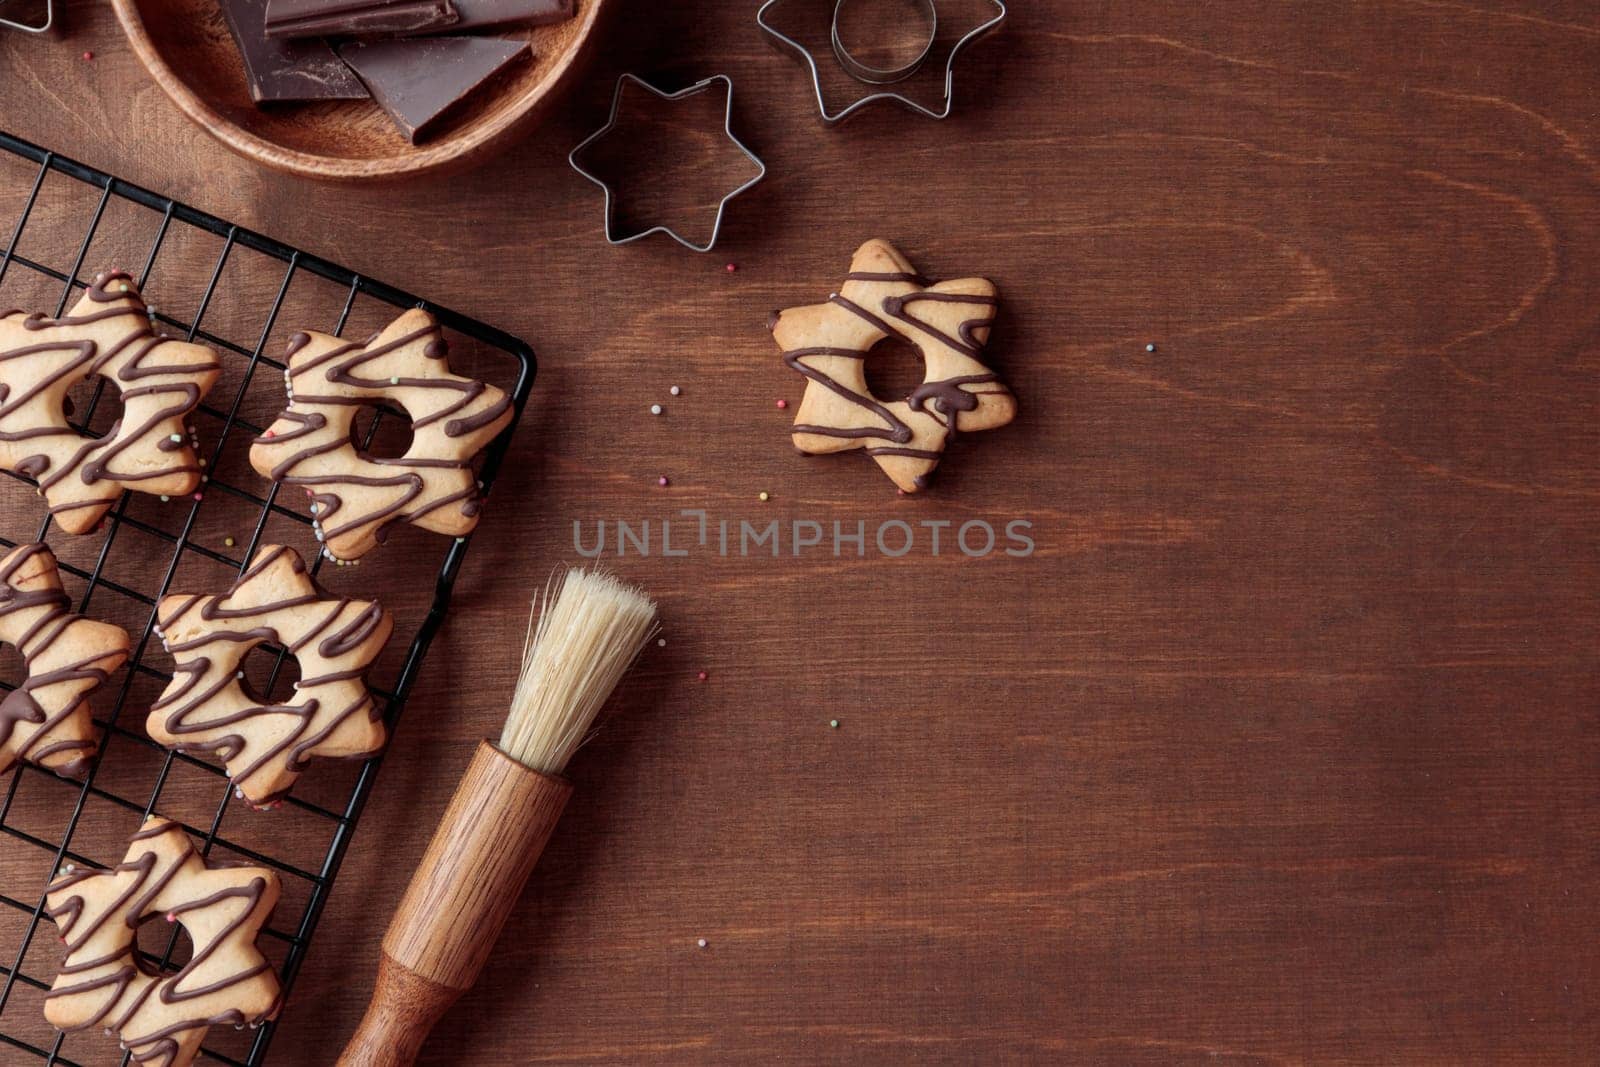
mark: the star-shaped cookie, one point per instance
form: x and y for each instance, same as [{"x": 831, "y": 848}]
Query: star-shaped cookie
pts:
[
  {"x": 46, "y": 720},
  {"x": 357, "y": 498},
  {"x": 208, "y": 707},
  {"x": 162, "y": 1019},
  {"x": 829, "y": 343},
  {"x": 160, "y": 380}
]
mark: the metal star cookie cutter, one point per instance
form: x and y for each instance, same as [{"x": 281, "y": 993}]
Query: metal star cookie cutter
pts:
[
  {"x": 42, "y": 27},
  {"x": 871, "y": 75},
  {"x": 805, "y": 53},
  {"x": 727, "y": 128}
]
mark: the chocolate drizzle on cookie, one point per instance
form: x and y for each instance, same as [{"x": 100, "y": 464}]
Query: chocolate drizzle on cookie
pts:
[
  {"x": 46, "y": 719},
  {"x": 875, "y": 304},
  {"x": 948, "y": 395},
  {"x": 359, "y": 498},
  {"x": 161, "y": 1019},
  {"x": 209, "y": 708},
  {"x": 160, "y": 380}
]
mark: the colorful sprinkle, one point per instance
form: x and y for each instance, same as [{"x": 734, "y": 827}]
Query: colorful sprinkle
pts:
[
  {"x": 833, "y": 724},
  {"x": 229, "y": 542},
  {"x": 171, "y": 918},
  {"x": 87, "y": 56},
  {"x": 731, "y": 267},
  {"x": 675, "y": 391},
  {"x": 655, "y": 409},
  {"x": 270, "y": 433},
  {"x": 703, "y": 676},
  {"x": 165, "y": 498},
  {"x": 662, "y": 481},
  {"x": 661, "y": 642},
  {"x": 764, "y": 496},
  {"x": 199, "y": 496},
  {"x": 1151, "y": 347},
  {"x": 395, "y": 380},
  {"x": 702, "y": 942},
  {"x": 782, "y": 404}
]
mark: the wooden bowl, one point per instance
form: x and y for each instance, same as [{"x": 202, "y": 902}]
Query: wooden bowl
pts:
[{"x": 186, "y": 46}]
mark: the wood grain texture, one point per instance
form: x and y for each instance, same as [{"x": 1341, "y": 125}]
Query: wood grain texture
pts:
[
  {"x": 473, "y": 871},
  {"x": 1280, "y": 749},
  {"x": 405, "y": 1006},
  {"x": 470, "y": 880}
]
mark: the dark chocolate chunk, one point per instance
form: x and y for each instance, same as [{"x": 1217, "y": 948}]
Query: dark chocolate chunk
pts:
[
  {"x": 280, "y": 71},
  {"x": 476, "y": 14},
  {"x": 419, "y": 80},
  {"x": 349, "y": 18}
]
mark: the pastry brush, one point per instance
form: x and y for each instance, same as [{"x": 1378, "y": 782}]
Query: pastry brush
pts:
[{"x": 502, "y": 814}]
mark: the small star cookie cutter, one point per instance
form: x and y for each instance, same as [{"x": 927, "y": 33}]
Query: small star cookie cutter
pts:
[
  {"x": 611, "y": 123},
  {"x": 29, "y": 27},
  {"x": 831, "y": 118}
]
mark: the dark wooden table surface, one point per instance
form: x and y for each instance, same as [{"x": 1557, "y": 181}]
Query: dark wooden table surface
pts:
[{"x": 1280, "y": 748}]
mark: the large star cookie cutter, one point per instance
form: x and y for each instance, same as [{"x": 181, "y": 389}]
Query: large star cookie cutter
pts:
[
  {"x": 611, "y": 123},
  {"x": 948, "y": 323},
  {"x": 33, "y": 27},
  {"x": 764, "y": 19}
]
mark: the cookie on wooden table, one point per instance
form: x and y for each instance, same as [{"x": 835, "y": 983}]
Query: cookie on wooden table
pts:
[
  {"x": 162, "y": 1019},
  {"x": 829, "y": 343},
  {"x": 356, "y": 498},
  {"x": 160, "y": 381},
  {"x": 208, "y": 707},
  {"x": 46, "y": 720}
]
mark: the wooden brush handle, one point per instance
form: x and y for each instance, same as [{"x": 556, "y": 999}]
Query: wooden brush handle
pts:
[
  {"x": 404, "y": 1009},
  {"x": 469, "y": 880}
]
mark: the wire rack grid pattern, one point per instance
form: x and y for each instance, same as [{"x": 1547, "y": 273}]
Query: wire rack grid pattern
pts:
[{"x": 520, "y": 367}]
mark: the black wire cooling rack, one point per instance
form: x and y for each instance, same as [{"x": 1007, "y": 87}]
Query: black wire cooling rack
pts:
[{"x": 518, "y": 362}]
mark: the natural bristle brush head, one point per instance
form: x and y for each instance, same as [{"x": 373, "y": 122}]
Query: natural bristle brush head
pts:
[{"x": 585, "y": 637}]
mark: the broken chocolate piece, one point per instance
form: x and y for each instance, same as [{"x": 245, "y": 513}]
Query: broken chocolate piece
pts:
[
  {"x": 348, "y": 18},
  {"x": 477, "y": 14},
  {"x": 420, "y": 80},
  {"x": 281, "y": 71}
]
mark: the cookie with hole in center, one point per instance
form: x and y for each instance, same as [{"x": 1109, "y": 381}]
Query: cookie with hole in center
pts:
[
  {"x": 160, "y": 381},
  {"x": 356, "y": 497},
  {"x": 46, "y": 720},
  {"x": 829, "y": 343},
  {"x": 162, "y": 1018},
  {"x": 209, "y": 706}
]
